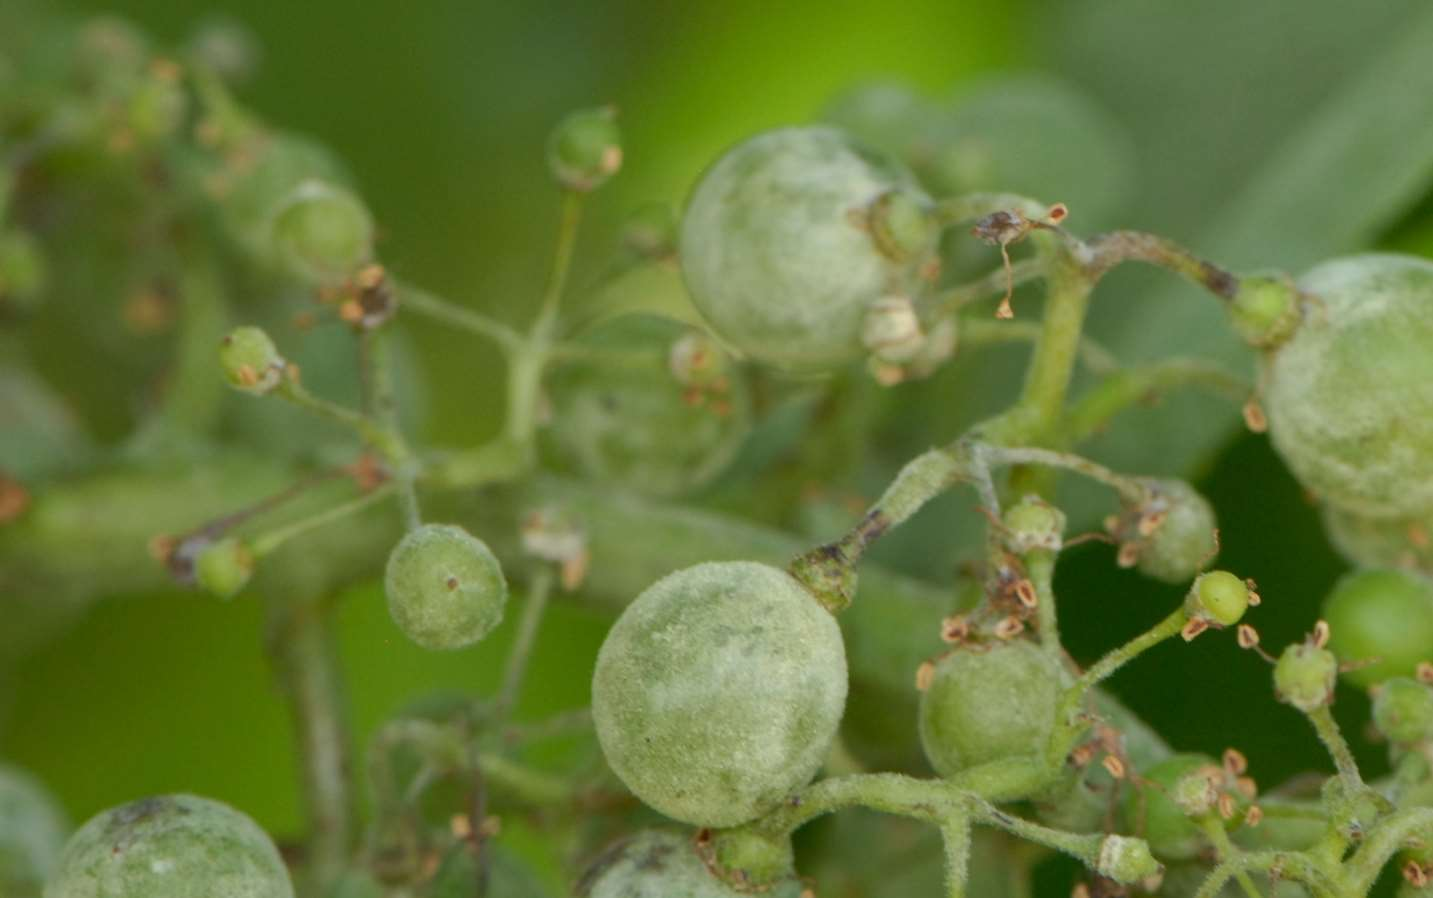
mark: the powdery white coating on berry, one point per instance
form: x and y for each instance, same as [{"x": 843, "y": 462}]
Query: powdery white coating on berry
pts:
[
  {"x": 986, "y": 705},
  {"x": 32, "y": 833},
  {"x": 1382, "y": 542},
  {"x": 1184, "y": 541},
  {"x": 173, "y": 846},
  {"x": 657, "y": 864},
  {"x": 775, "y": 250},
  {"x": 718, "y": 692},
  {"x": 1350, "y": 395},
  {"x": 445, "y": 587}
]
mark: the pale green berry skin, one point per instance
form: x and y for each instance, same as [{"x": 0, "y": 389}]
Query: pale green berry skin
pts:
[
  {"x": 1184, "y": 542},
  {"x": 777, "y": 252},
  {"x": 323, "y": 232},
  {"x": 1152, "y": 812},
  {"x": 1350, "y": 396},
  {"x": 1382, "y": 542},
  {"x": 249, "y": 351},
  {"x": 445, "y": 587},
  {"x": 1126, "y": 860},
  {"x": 630, "y": 421},
  {"x": 718, "y": 692},
  {"x": 887, "y": 115},
  {"x": 1381, "y": 614},
  {"x": 223, "y": 568},
  {"x": 1219, "y": 596},
  {"x": 985, "y": 705},
  {"x": 33, "y": 830},
  {"x": 172, "y": 846},
  {"x": 1304, "y": 676},
  {"x": 659, "y": 864},
  {"x": 1403, "y": 710},
  {"x": 585, "y": 149}
]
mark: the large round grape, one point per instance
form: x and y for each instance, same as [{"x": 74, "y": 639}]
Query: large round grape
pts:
[
  {"x": 1350, "y": 395},
  {"x": 718, "y": 692},
  {"x": 172, "y": 846},
  {"x": 658, "y": 864},
  {"x": 779, "y": 250}
]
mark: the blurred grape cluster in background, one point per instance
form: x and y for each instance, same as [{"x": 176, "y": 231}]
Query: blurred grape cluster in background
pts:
[{"x": 1191, "y": 120}]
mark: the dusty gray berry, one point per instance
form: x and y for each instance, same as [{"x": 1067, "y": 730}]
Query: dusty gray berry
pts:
[
  {"x": 657, "y": 864},
  {"x": 445, "y": 587}
]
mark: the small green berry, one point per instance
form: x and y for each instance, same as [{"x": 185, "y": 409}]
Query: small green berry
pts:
[
  {"x": 1403, "y": 710},
  {"x": 1304, "y": 676},
  {"x": 1384, "y": 617},
  {"x": 323, "y": 232},
  {"x": 445, "y": 587},
  {"x": 1265, "y": 310},
  {"x": 23, "y": 273},
  {"x": 1172, "y": 532},
  {"x": 1155, "y": 810},
  {"x": 250, "y": 361},
  {"x": 1219, "y": 597},
  {"x": 792, "y": 235},
  {"x": 650, "y": 231},
  {"x": 1356, "y": 434},
  {"x": 173, "y": 846},
  {"x": 718, "y": 691},
  {"x": 1126, "y": 860},
  {"x": 1033, "y": 524},
  {"x": 988, "y": 702},
  {"x": 658, "y": 864},
  {"x": 224, "y": 567},
  {"x": 585, "y": 149},
  {"x": 32, "y": 833}
]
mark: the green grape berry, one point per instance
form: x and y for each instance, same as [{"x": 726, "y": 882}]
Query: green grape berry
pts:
[
  {"x": 718, "y": 692},
  {"x": 1265, "y": 310},
  {"x": 988, "y": 702},
  {"x": 585, "y": 149},
  {"x": 23, "y": 273},
  {"x": 32, "y": 833},
  {"x": 657, "y": 408},
  {"x": 172, "y": 846},
  {"x": 887, "y": 115},
  {"x": 1219, "y": 597},
  {"x": 1384, "y": 617},
  {"x": 1304, "y": 676},
  {"x": 1126, "y": 860},
  {"x": 792, "y": 235},
  {"x": 224, "y": 567},
  {"x": 658, "y": 864},
  {"x": 1155, "y": 811},
  {"x": 1382, "y": 542},
  {"x": 323, "y": 232},
  {"x": 445, "y": 587},
  {"x": 1173, "y": 532},
  {"x": 1350, "y": 395},
  {"x": 1032, "y": 524},
  {"x": 250, "y": 361},
  {"x": 1403, "y": 710}
]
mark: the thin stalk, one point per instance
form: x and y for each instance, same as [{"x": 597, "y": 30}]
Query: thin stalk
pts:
[
  {"x": 952, "y": 299},
  {"x": 521, "y": 651},
  {"x": 1040, "y": 568},
  {"x": 956, "y": 836},
  {"x": 569, "y": 218},
  {"x": 385, "y": 402},
  {"x": 1332, "y": 738},
  {"x": 269, "y": 541},
  {"x": 1387, "y": 838},
  {"x": 1128, "y": 488},
  {"x": 981, "y": 331},
  {"x": 1094, "y": 410},
  {"x": 1117, "y": 247},
  {"x": 429, "y": 305},
  {"x": 366, "y": 428},
  {"x": 1224, "y": 850}
]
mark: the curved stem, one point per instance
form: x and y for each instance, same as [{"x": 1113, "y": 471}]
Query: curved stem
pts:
[
  {"x": 1093, "y": 411},
  {"x": 1128, "y": 488},
  {"x": 569, "y": 217},
  {"x": 983, "y": 331},
  {"x": 1386, "y": 839},
  {"x": 267, "y": 542},
  {"x": 518, "y": 655},
  {"x": 1332, "y": 738},
  {"x": 1116, "y": 247},
  {"x": 415, "y": 299},
  {"x": 1214, "y": 828}
]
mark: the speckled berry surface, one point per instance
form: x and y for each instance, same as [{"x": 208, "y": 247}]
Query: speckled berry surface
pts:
[
  {"x": 659, "y": 864},
  {"x": 988, "y": 702},
  {"x": 172, "y": 846},
  {"x": 776, "y": 252},
  {"x": 445, "y": 587},
  {"x": 718, "y": 692},
  {"x": 1350, "y": 395}
]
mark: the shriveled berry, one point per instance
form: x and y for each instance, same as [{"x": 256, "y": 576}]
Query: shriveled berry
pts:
[
  {"x": 1382, "y": 542},
  {"x": 1219, "y": 597},
  {"x": 224, "y": 567},
  {"x": 1384, "y": 617},
  {"x": 1153, "y": 811},
  {"x": 658, "y": 864},
  {"x": 173, "y": 846},
  {"x": 323, "y": 232},
  {"x": 1350, "y": 395},
  {"x": 988, "y": 702},
  {"x": 718, "y": 691},
  {"x": 1173, "y": 531},
  {"x": 1403, "y": 710},
  {"x": 32, "y": 833},
  {"x": 792, "y": 235},
  {"x": 445, "y": 587},
  {"x": 250, "y": 360},
  {"x": 1304, "y": 676},
  {"x": 585, "y": 149}
]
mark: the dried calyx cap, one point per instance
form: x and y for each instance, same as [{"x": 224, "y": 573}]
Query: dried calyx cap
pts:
[
  {"x": 902, "y": 224},
  {"x": 1265, "y": 310},
  {"x": 224, "y": 567},
  {"x": 1219, "y": 598},
  {"x": 585, "y": 149},
  {"x": 1304, "y": 676},
  {"x": 1031, "y": 524},
  {"x": 250, "y": 360},
  {"x": 891, "y": 330},
  {"x": 1126, "y": 860},
  {"x": 1403, "y": 711},
  {"x": 1197, "y": 791}
]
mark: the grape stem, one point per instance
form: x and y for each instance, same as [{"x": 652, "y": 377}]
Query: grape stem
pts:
[
  {"x": 537, "y": 595},
  {"x": 430, "y": 305},
  {"x": 269, "y": 541},
  {"x": 1332, "y": 738},
  {"x": 1224, "y": 850},
  {"x": 1117, "y": 247},
  {"x": 1120, "y": 390},
  {"x": 1128, "y": 488},
  {"x": 974, "y": 331}
]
